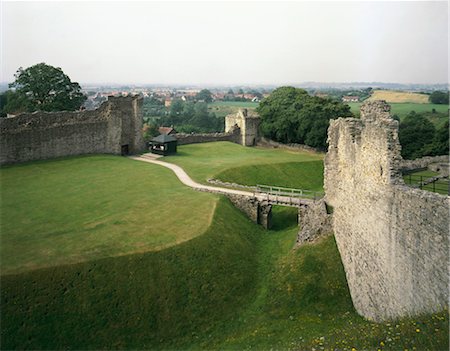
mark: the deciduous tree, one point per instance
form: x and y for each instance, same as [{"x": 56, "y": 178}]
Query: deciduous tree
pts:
[
  {"x": 439, "y": 97},
  {"x": 47, "y": 88},
  {"x": 416, "y": 133},
  {"x": 204, "y": 95},
  {"x": 291, "y": 115}
]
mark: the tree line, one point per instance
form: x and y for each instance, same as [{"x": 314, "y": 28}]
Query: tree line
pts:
[{"x": 291, "y": 115}]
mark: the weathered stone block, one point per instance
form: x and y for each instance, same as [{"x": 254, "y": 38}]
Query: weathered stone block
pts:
[
  {"x": 314, "y": 221},
  {"x": 258, "y": 212}
]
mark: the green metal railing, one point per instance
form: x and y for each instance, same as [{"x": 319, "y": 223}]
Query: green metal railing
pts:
[{"x": 434, "y": 184}]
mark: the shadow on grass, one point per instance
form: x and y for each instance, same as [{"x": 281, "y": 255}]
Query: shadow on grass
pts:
[{"x": 284, "y": 217}]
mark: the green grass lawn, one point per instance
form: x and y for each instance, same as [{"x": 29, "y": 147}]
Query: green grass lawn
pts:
[
  {"x": 307, "y": 175},
  {"x": 402, "y": 109},
  {"x": 250, "y": 165},
  {"x": 76, "y": 209}
]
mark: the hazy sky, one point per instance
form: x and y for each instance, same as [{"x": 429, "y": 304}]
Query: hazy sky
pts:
[{"x": 229, "y": 42}]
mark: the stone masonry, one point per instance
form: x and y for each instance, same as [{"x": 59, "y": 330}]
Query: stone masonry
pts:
[
  {"x": 315, "y": 222},
  {"x": 259, "y": 212},
  {"x": 247, "y": 122},
  {"x": 114, "y": 128},
  {"x": 438, "y": 164},
  {"x": 393, "y": 239},
  {"x": 195, "y": 138},
  {"x": 240, "y": 128}
]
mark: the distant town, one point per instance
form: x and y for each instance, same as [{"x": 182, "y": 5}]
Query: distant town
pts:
[{"x": 345, "y": 92}]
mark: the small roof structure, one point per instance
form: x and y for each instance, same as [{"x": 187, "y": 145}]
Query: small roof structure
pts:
[
  {"x": 163, "y": 138},
  {"x": 166, "y": 130}
]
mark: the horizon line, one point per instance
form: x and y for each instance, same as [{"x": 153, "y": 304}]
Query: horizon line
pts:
[{"x": 253, "y": 84}]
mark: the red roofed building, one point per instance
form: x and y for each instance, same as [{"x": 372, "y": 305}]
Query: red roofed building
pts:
[{"x": 166, "y": 130}]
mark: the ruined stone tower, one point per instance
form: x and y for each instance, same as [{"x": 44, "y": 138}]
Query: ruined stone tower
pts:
[{"x": 247, "y": 122}]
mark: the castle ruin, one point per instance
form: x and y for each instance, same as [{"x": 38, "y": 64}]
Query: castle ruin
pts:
[
  {"x": 393, "y": 239},
  {"x": 247, "y": 122},
  {"x": 114, "y": 128}
]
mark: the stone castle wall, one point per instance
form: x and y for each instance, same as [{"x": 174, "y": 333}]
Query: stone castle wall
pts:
[
  {"x": 259, "y": 212},
  {"x": 265, "y": 142},
  {"x": 393, "y": 239},
  {"x": 43, "y": 135},
  {"x": 248, "y": 123},
  {"x": 424, "y": 162},
  {"x": 315, "y": 222},
  {"x": 195, "y": 138}
]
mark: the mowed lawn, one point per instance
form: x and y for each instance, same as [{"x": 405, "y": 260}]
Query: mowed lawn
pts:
[
  {"x": 250, "y": 165},
  {"x": 75, "y": 209},
  {"x": 306, "y": 175}
]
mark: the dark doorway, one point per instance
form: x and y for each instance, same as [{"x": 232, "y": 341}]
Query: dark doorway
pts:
[{"x": 125, "y": 150}]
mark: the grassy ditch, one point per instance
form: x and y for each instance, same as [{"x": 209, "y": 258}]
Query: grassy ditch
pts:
[{"x": 139, "y": 301}]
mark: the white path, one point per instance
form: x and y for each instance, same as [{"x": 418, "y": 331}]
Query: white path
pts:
[{"x": 186, "y": 180}]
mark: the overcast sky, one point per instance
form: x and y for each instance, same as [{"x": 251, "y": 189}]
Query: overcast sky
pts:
[{"x": 229, "y": 42}]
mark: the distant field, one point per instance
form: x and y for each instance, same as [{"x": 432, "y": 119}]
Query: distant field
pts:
[
  {"x": 245, "y": 104},
  {"x": 223, "y": 108},
  {"x": 232, "y": 162},
  {"x": 403, "y": 109},
  {"x": 76, "y": 209},
  {"x": 399, "y": 96}
]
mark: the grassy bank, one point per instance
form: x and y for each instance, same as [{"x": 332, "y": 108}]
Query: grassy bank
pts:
[
  {"x": 236, "y": 287},
  {"x": 138, "y": 301},
  {"x": 82, "y": 208},
  {"x": 230, "y": 162},
  {"x": 306, "y": 175}
]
